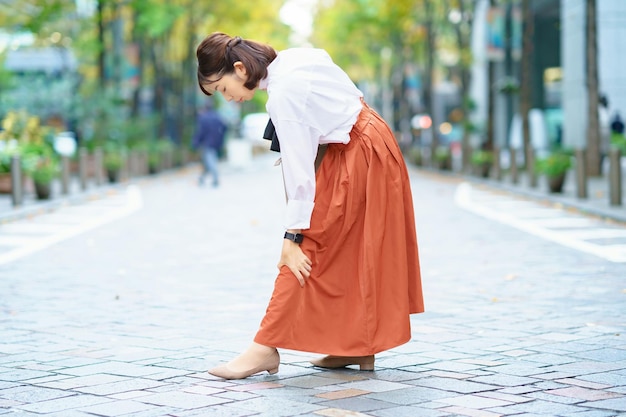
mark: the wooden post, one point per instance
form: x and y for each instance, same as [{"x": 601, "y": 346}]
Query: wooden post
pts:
[
  {"x": 497, "y": 168},
  {"x": 98, "y": 157},
  {"x": 82, "y": 168},
  {"x": 17, "y": 192},
  {"x": 581, "y": 174},
  {"x": 615, "y": 177},
  {"x": 65, "y": 175},
  {"x": 513, "y": 165},
  {"x": 530, "y": 167}
]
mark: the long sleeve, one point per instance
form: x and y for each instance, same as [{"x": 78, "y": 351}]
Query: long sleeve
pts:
[
  {"x": 298, "y": 148},
  {"x": 311, "y": 101}
]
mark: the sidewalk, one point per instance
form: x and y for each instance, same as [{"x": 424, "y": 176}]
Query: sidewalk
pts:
[
  {"x": 596, "y": 204},
  {"x": 31, "y": 206}
]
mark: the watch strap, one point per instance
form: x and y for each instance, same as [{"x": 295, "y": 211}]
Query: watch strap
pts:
[{"x": 294, "y": 237}]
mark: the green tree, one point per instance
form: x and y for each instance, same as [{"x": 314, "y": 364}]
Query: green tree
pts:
[{"x": 357, "y": 33}]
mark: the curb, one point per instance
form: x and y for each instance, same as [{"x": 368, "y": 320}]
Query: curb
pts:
[
  {"x": 587, "y": 207},
  {"x": 37, "y": 207}
]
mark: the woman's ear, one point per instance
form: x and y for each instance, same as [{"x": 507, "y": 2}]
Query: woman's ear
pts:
[{"x": 240, "y": 70}]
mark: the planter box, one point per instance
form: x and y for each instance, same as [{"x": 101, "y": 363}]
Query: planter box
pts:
[{"x": 6, "y": 186}]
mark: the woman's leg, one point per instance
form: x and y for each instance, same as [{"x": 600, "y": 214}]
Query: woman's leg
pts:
[{"x": 212, "y": 161}]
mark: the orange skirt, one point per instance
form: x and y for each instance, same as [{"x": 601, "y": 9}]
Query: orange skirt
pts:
[{"x": 365, "y": 279}]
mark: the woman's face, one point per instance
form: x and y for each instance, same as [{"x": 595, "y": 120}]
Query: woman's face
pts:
[{"x": 232, "y": 85}]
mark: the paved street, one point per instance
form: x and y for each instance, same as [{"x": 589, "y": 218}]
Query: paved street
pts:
[{"x": 118, "y": 306}]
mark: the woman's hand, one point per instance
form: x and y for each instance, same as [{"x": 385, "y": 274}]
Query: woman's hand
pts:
[{"x": 295, "y": 259}]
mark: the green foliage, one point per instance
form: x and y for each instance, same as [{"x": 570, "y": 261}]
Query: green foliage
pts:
[
  {"x": 618, "y": 141},
  {"x": 155, "y": 18},
  {"x": 7, "y": 151},
  {"x": 415, "y": 155},
  {"x": 482, "y": 157},
  {"x": 114, "y": 155},
  {"x": 442, "y": 153},
  {"x": 34, "y": 15},
  {"x": 555, "y": 164},
  {"x": 24, "y": 136},
  {"x": 46, "y": 169}
]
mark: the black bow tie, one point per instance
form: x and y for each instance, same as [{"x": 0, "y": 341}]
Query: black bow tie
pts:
[{"x": 270, "y": 134}]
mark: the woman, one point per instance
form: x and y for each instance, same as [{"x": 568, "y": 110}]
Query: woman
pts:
[{"x": 349, "y": 271}]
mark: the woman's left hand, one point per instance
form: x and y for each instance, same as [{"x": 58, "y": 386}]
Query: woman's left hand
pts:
[{"x": 294, "y": 258}]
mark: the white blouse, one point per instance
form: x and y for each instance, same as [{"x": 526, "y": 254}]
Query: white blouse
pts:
[{"x": 311, "y": 101}]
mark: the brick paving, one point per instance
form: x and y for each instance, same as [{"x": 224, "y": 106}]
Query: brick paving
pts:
[{"x": 124, "y": 319}]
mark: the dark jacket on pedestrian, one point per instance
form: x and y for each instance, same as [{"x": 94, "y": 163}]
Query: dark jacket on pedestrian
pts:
[{"x": 210, "y": 131}]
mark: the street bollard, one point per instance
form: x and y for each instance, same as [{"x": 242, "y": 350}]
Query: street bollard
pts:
[
  {"x": 497, "y": 168},
  {"x": 581, "y": 173},
  {"x": 162, "y": 164},
  {"x": 530, "y": 168},
  {"x": 17, "y": 192},
  {"x": 82, "y": 168},
  {"x": 615, "y": 177},
  {"x": 133, "y": 164},
  {"x": 124, "y": 173},
  {"x": 145, "y": 163},
  {"x": 65, "y": 175},
  {"x": 513, "y": 166},
  {"x": 98, "y": 158},
  {"x": 184, "y": 155}
]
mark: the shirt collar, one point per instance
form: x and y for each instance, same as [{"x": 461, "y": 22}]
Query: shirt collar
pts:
[{"x": 265, "y": 81}]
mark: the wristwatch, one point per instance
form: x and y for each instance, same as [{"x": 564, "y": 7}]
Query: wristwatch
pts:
[{"x": 295, "y": 237}]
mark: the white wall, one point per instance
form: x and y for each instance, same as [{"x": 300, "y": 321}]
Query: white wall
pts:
[
  {"x": 612, "y": 53},
  {"x": 573, "y": 64},
  {"x": 611, "y": 27},
  {"x": 478, "y": 87}
]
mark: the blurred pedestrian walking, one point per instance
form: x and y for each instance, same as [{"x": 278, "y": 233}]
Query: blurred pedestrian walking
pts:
[
  {"x": 349, "y": 270},
  {"x": 208, "y": 140},
  {"x": 617, "y": 124}
]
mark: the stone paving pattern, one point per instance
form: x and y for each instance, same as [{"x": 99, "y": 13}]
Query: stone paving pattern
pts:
[{"x": 126, "y": 319}]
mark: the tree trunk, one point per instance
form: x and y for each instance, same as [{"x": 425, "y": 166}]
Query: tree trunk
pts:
[
  {"x": 593, "y": 125},
  {"x": 526, "y": 89},
  {"x": 489, "y": 139},
  {"x": 101, "y": 53},
  {"x": 462, "y": 41},
  {"x": 138, "y": 40},
  {"x": 428, "y": 84}
]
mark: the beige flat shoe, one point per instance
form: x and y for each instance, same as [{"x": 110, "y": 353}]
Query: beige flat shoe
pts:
[
  {"x": 366, "y": 363},
  {"x": 269, "y": 364}
]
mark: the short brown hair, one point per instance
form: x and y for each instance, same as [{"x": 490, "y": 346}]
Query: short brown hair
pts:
[{"x": 218, "y": 52}]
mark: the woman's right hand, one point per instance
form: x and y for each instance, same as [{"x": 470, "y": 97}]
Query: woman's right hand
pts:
[{"x": 294, "y": 258}]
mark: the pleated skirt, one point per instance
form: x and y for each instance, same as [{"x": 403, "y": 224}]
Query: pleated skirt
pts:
[{"x": 365, "y": 279}]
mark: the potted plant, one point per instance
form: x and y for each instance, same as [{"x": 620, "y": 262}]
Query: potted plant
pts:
[
  {"x": 114, "y": 155},
  {"x": 555, "y": 167},
  {"x": 7, "y": 151},
  {"x": 508, "y": 85},
  {"x": 482, "y": 161},
  {"x": 17, "y": 129},
  {"x": 154, "y": 160},
  {"x": 415, "y": 156},
  {"x": 443, "y": 158},
  {"x": 43, "y": 173}
]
